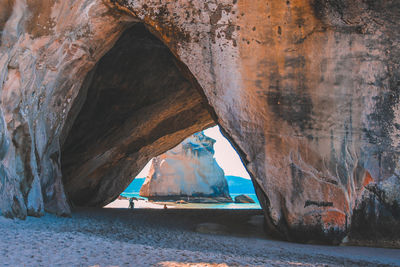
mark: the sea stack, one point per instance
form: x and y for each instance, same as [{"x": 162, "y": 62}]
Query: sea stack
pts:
[{"x": 188, "y": 171}]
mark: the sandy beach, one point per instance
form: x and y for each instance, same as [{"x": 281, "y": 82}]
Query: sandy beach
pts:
[
  {"x": 139, "y": 204},
  {"x": 173, "y": 237},
  {"x": 144, "y": 204}
]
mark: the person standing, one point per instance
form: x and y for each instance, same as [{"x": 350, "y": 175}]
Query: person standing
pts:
[{"x": 131, "y": 204}]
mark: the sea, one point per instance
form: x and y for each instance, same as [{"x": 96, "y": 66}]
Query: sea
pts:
[{"x": 211, "y": 205}]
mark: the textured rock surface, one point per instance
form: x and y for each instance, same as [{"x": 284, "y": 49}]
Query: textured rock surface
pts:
[
  {"x": 47, "y": 48},
  {"x": 188, "y": 170},
  {"x": 307, "y": 90}
]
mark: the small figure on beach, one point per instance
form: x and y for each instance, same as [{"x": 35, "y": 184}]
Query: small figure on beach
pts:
[
  {"x": 131, "y": 204},
  {"x": 165, "y": 206}
]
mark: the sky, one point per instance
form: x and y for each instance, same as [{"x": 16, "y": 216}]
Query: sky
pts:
[{"x": 225, "y": 154}]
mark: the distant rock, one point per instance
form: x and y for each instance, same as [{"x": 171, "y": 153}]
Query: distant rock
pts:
[
  {"x": 189, "y": 172},
  {"x": 244, "y": 199}
]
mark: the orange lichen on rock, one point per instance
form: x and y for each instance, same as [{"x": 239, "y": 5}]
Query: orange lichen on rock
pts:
[
  {"x": 334, "y": 218},
  {"x": 368, "y": 179}
]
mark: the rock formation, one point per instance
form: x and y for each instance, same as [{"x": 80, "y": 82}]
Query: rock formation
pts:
[
  {"x": 244, "y": 199},
  {"x": 306, "y": 90},
  {"x": 188, "y": 170},
  {"x": 145, "y": 106}
]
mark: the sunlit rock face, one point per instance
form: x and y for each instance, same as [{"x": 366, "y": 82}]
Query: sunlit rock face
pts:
[
  {"x": 307, "y": 91},
  {"x": 188, "y": 170}
]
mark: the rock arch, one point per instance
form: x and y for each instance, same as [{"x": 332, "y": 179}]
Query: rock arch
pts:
[
  {"x": 307, "y": 91},
  {"x": 137, "y": 105}
]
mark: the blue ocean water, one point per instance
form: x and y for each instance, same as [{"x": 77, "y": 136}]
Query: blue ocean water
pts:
[{"x": 237, "y": 186}]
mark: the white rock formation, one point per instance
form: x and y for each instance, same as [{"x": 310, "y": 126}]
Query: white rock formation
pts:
[{"x": 188, "y": 170}]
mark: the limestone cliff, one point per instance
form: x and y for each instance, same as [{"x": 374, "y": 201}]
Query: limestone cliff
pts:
[
  {"x": 306, "y": 90},
  {"x": 188, "y": 170}
]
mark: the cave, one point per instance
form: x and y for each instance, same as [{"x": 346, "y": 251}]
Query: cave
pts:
[{"x": 136, "y": 103}]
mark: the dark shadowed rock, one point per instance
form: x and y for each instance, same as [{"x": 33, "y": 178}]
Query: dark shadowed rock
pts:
[{"x": 244, "y": 199}]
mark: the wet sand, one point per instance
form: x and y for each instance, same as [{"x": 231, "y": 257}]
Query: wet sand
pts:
[{"x": 173, "y": 237}]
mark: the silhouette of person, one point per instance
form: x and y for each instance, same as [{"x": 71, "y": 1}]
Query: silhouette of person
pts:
[
  {"x": 165, "y": 206},
  {"x": 131, "y": 204}
]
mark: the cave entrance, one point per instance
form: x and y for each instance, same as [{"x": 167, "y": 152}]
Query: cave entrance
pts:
[
  {"x": 212, "y": 178},
  {"x": 135, "y": 104},
  {"x": 138, "y": 102}
]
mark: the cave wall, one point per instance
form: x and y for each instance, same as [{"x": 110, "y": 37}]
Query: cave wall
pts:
[
  {"x": 307, "y": 91},
  {"x": 43, "y": 62}
]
